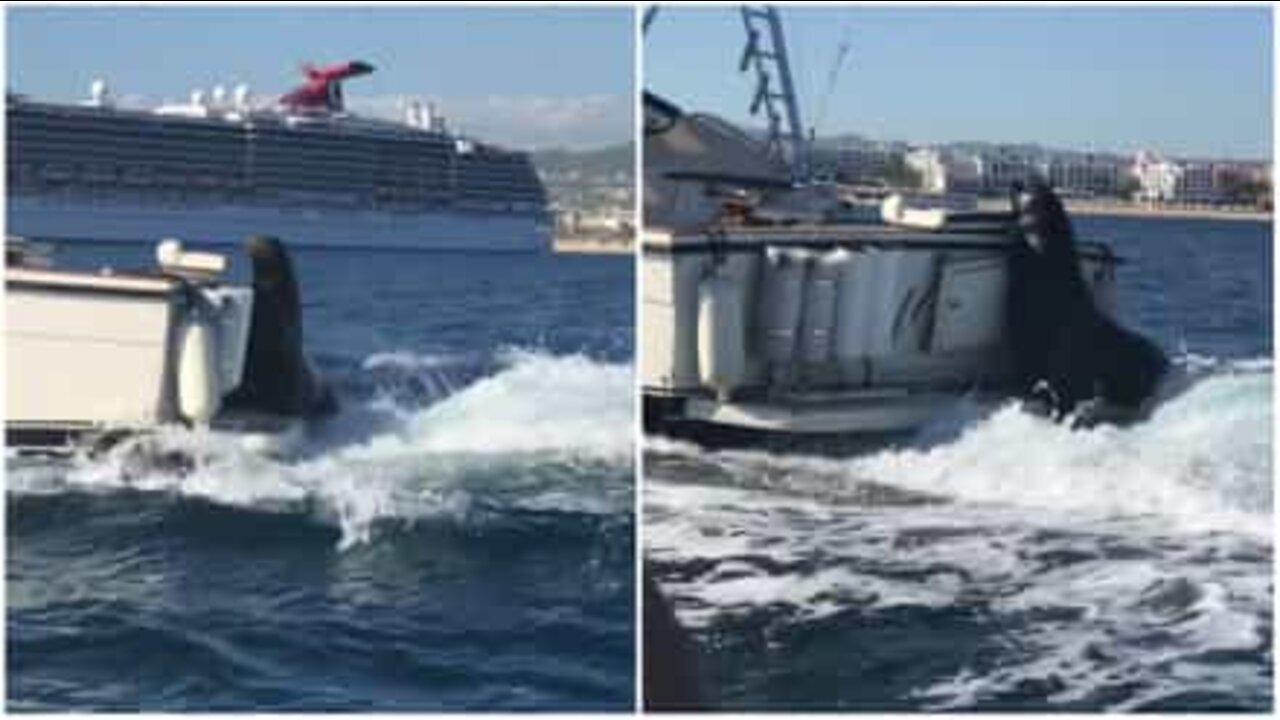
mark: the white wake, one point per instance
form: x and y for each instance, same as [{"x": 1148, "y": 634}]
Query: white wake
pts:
[{"x": 542, "y": 433}]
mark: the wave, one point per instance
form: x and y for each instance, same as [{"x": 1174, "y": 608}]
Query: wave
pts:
[
  {"x": 1120, "y": 567},
  {"x": 542, "y": 433},
  {"x": 1202, "y": 460}
]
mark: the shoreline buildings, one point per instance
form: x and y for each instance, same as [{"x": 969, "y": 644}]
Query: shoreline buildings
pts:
[{"x": 990, "y": 169}]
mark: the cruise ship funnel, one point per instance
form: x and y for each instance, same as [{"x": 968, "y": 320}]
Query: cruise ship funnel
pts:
[{"x": 323, "y": 88}]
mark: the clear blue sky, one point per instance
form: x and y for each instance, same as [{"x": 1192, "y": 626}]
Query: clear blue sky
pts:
[
  {"x": 1186, "y": 81},
  {"x": 531, "y": 76}
]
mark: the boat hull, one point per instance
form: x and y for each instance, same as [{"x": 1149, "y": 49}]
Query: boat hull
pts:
[
  {"x": 95, "y": 357},
  {"x": 47, "y": 219},
  {"x": 796, "y": 337},
  {"x": 848, "y": 425},
  {"x": 84, "y": 350}
]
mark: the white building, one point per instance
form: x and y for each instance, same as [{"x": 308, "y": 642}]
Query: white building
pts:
[
  {"x": 1084, "y": 174},
  {"x": 1179, "y": 181},
  {"x": 1070, "y": 173},
  {"x": 945, "y": 171},
  {"x": 869, "y": 160},
  {"x": 1000, "y": 168}
]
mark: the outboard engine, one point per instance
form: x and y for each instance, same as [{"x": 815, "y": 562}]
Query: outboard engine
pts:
[{"x": 277, "y": 379}]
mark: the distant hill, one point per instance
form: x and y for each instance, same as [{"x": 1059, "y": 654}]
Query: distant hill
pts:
[
  {"x": 593, "y": 181},
  {"x": 604, "y": 161}
]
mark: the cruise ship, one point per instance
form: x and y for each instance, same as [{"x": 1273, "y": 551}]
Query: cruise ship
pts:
[{"x": 224, "y": 165}]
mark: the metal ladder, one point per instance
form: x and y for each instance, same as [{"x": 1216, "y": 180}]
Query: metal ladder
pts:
[{"x": 766, "y": 54}]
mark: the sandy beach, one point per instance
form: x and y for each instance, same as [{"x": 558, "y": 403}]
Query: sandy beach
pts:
[
  {"x": 1126, "y": 209},
  {"x": 592, "y": 245}
]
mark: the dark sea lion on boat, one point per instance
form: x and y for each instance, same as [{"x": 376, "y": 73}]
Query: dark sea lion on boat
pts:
[
  {"x": 277, "y": 378},
  {"x": 1069, "y": 356},
  {"x": 670, "y": 658}
]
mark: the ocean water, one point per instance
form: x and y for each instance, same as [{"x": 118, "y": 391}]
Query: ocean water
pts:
[
  {"x": 1000, "y": 561},
  {"x": 459, "y": 536}
]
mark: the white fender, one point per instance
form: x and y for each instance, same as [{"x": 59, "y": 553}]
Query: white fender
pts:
[
  {"x": 199, "y": 390},
  {"x": 722, "y": 361},
  {"x": 857, "y": 284},
  {"x": 781, "y": 302},
  {"x": 817, "y": 337}
]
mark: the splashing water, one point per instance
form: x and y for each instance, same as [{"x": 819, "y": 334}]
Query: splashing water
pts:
[
  {"x": 543, "y": 432},
  {"x": 459, "y": 536},
  {"x": 1020, "y": 564}
]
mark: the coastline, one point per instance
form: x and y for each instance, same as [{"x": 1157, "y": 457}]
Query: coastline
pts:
[
  {"x": 1126, "y": 209},
  {"x": 587, "y": 245}
]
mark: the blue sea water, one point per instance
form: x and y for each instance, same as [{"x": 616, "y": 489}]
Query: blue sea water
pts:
[
  {"x": 459, "y": 536},
  {"x": 1000, "y": 561}
]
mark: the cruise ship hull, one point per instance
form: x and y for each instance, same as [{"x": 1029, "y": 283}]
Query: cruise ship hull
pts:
[{"x": 303, "y": 227}]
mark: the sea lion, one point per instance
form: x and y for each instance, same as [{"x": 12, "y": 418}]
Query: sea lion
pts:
[
  {"x": 277, "y": 379},
  {"x": 1069, "y": 357}
]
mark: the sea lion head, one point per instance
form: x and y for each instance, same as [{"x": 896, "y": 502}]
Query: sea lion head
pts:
[{"x": 1044, "y": 223}]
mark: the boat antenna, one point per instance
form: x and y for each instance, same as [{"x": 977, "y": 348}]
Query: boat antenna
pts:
[
  {"x": 834, "y": 74},
  {"x": 650, "y": 14},
  {"x": 766, "y": 54}
]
